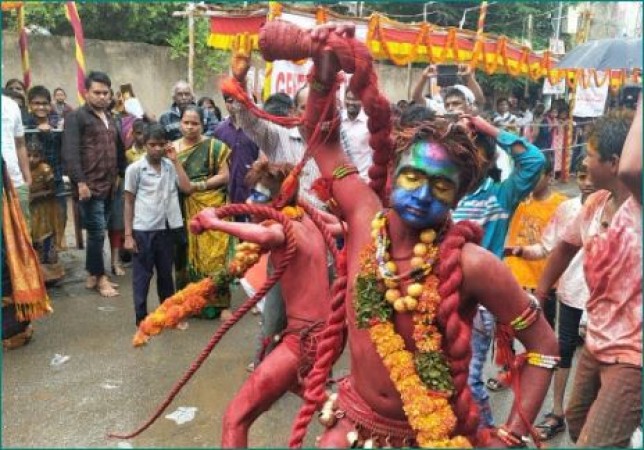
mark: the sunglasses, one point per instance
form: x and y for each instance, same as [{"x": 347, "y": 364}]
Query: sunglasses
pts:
[{"x": 229, "y": 100}]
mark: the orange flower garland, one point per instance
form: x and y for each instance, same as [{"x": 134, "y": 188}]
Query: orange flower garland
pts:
[
  {"x": 425, "y": 398},
  {"x": 187, "y": 301}
]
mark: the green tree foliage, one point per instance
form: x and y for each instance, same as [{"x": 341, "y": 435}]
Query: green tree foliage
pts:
[
  {"x": 208, "y": 61},
  {"x": 151, "y": 23}
]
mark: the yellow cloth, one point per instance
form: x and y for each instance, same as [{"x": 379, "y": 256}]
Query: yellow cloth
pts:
[
  {"x": 134, "y": 154},
  {"x": 526, "y": 227},
  {"x": 29, "y": 294},
  {"x": 206, "y": 253},
  {"x": 47, "y": 217}
]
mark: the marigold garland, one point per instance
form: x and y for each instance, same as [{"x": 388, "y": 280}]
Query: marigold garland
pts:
[
  {"x": 193, "y": 298},
  {"x": 187, "y": 301},
  {"x": 422, "y": 378}
]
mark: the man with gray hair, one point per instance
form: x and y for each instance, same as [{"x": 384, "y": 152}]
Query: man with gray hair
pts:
[{"x": 182, "y": 97}]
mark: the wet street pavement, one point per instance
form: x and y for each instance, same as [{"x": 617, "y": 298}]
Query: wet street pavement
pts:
[{"x": 80, "y": 377}]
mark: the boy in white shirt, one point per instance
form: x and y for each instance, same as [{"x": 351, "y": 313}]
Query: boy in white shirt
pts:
[{"x": 152, "y": 216}]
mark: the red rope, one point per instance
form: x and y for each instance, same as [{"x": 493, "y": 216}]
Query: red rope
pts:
[
  {"x": 291, "y": 248},
  {"x": 457, "y": 325}
]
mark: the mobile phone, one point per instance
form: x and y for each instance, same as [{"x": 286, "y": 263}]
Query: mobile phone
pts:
[{"x": 446, "y": 75}]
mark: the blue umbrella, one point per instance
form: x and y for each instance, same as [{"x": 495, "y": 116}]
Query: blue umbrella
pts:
[{"x": 604, "y": 54}]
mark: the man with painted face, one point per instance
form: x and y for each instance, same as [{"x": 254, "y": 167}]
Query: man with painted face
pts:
[
  {"x": 306, "y": 299},
  {"x": 414, "y": 278},
  {"x": 182, "y": 97},
  {"x": 491, "y": 205}
]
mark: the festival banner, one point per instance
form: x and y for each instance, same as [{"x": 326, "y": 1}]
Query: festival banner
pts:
[
  {"x": 288, "y": 77},
  {"x": 556, "y": 89},
  {"x": 590, "y": 100}
]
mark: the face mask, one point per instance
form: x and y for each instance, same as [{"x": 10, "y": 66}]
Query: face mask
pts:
[
  {"x": 426, "y": 185},
  {"x": 260, "y": 194}
]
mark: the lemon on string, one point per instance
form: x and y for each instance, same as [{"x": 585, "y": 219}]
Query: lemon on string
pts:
[
  {"x": 410, "y": 303},
  {"x": 417, "y": 262},
  {"x": 427, "y": 236},
  {"x": 392, "y": 295},
  {"x": 415, "y": 290},
  {"x": 391, "y": 284},
  {"x": 399, "y": 305},
  {"x": 420, "y": 249}
]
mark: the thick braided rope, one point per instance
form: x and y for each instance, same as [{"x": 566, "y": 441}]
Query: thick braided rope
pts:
[
  {"x": 282, "y": 40},
  {"x": 291, "y": 248},
  {"x": 330, "y": 344},
  {"x": 313, "y": 213},
  {"x": 328, "y": 350},
  {"x": 456, "y": 327}
]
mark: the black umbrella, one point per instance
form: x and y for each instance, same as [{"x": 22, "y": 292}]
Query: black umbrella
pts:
[{"x": 604, "y": 54}]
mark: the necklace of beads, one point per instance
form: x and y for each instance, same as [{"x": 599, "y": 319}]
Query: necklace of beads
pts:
[{"x": 422, "y": 261}]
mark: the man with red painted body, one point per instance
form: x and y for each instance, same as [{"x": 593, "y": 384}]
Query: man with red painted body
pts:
[
  {"x": 306, "y": 299},
  {"x": 435, "y": 167}
]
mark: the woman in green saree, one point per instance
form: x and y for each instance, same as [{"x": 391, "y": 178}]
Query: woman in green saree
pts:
[{"x": 205, "y": 160}]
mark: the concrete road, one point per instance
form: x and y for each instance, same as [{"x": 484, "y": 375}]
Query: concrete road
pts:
[{"x": 104, "y": 384}]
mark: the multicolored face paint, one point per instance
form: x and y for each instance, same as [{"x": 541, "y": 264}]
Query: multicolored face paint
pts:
[
  {"x": 259, "y": 194},
  {"x": 426, "y": 185}
]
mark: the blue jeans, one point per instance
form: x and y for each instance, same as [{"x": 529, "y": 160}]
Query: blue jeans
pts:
[
  {"x": 95, "y": 215},
  {"x": 482, "y": 334}
]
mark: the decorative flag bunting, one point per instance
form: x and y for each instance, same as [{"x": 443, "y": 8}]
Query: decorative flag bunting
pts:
[
  {"x": 403, "y": 43},
  {"x": 223, "y": 30},
  {"x": 24, "y": 47},
  {"x": 74, "y": 19}
]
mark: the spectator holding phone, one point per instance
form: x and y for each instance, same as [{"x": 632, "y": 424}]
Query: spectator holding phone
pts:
[{"x": 447, "y": 77}]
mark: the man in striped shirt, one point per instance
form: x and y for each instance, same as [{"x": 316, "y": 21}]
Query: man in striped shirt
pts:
[{"x": 491, "y": 205}]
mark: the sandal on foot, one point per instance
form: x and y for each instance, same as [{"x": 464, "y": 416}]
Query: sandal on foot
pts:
[
  {"x": 551, "y": 426},
  {"x": 106, "y": 289},
  {"x": 495, "y": 385}
]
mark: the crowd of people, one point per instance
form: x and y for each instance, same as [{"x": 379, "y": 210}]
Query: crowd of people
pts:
[{"x": 452, "y": 228}]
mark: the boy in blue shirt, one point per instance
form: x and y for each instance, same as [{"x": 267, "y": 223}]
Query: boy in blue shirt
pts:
[
  {"x": 152, "y": 216},
  {"x": 491, "y": 205}
]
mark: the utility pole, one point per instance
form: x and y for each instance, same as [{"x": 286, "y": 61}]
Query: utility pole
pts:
[
  {"x": 189, "y": 12},
  {"x": 559, "y": 15}
]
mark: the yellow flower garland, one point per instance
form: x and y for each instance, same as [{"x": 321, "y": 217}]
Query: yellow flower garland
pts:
[{"x": 429, "y": 412}]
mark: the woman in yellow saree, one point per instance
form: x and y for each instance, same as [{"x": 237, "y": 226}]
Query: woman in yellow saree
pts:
[{"x": 205, "y": 160}]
